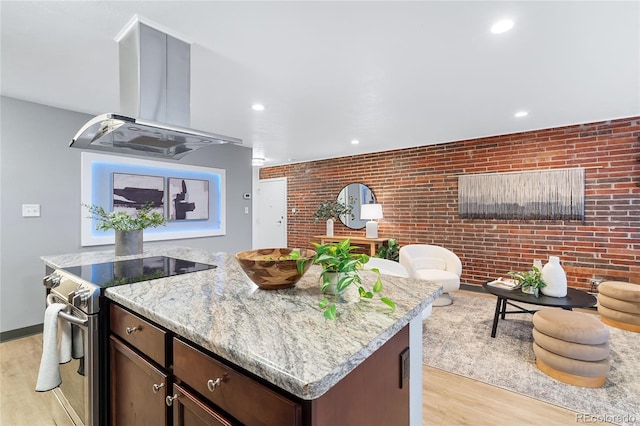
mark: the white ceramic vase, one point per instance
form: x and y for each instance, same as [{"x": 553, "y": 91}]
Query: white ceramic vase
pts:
[
  {"x": 329, "y": 227},
  {"x": 555, "y": 278}
]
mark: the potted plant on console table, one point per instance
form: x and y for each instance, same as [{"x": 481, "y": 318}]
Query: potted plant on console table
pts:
[
  {"x": 339, "y": 270},
  {"x": 128, "y": 228}
]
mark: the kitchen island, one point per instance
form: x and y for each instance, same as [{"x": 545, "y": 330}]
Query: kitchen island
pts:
[{"x": 279, "y": 336}]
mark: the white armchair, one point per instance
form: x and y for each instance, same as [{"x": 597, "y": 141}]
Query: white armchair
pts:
[
  {"x": 433, "y": 263},
  {"x": 387, "y": 267},
  {"x": 390, "y": 267}
]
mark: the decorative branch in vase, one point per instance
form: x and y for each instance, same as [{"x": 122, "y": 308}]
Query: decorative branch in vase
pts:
[{"x": 332, "y": 211}]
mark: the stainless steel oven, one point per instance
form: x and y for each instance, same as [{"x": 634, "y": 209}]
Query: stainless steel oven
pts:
[
  {"x": 84, "y": 392},
  {"x": 80, "y": 387}
]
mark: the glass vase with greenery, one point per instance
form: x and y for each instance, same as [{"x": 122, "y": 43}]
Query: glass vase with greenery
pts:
[{"x": 530, "y": 280}]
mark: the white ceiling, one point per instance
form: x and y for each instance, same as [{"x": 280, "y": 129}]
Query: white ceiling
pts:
[{"x": 390, "y": 74}]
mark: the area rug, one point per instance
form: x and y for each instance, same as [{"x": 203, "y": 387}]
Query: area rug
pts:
[{"x": 457, "y": 339}]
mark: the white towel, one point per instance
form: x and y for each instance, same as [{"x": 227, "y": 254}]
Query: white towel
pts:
[
  {"x": 77, "y": 351},
  {"x": 49, "y": 373},
  {"x": 65, "y": 341},
  {"x": 70, "y": 342}
]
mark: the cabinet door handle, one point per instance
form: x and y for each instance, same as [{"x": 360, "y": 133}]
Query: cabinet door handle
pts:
[
  {"x": 157, "y": 387},
  {"x": 130, "y": 330},
  {"x": 213, "y": 384},
  {"x": 169, "y": 399}
]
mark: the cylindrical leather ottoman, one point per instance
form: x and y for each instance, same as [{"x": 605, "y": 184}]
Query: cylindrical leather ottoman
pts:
[
  {"x": 571, "y": 347},
  {"x": 619, "y": 305}
]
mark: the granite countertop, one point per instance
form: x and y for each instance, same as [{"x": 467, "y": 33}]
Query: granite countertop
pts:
[{"x": 278, "y": 335}]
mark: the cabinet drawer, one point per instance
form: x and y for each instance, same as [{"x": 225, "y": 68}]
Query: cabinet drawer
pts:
[
  {"x": 242, "y": 397},
  {"x": 139, "y": 333}
]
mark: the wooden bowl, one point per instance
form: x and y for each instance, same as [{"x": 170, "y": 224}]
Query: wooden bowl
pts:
[{"x": 271, "y": 269}]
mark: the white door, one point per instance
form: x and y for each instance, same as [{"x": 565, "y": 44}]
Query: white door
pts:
[{"x": 271, "y": 213}]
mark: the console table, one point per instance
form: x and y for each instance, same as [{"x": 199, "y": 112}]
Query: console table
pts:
[{"x": 372, "y": 244}]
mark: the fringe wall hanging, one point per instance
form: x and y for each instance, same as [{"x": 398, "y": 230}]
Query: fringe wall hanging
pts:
[{"x": 549, "y": 194}]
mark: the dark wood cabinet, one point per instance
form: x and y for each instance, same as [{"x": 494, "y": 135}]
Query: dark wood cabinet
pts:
[
  {"x": 138, "y": 389},
  {"x": 188, "y": 410},
  {"x": 192, "y": 386},
  {"x": 375, "y": 393}
]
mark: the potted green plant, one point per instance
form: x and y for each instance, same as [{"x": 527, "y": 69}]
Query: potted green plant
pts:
[
  {"x": 389, "y": 251},
  {"x": 530, "y": 281},
  {"x": 331, "y": 211},
  {"x": 340, "y": 268},
  {"x": 128, "y": 229}
]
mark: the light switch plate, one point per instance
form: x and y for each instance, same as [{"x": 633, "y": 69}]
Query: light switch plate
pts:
[{"x": 31, "y": 210}]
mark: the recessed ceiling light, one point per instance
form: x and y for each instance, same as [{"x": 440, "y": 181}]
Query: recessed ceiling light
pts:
[
  {"x": 257, "y": 107},
  {"x": 355, "y": 142},
  {"x": 502, "y": 26},
  {"x": 521, "y": 114}
]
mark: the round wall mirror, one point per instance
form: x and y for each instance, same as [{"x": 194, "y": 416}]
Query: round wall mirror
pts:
[{"x": 355, "y": 194}]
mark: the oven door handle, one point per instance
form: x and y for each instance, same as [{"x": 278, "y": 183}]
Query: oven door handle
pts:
[{"x": 68, "y": 317}]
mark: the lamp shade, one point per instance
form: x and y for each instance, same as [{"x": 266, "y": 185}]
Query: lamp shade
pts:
[{"x": 371, "y": 211}]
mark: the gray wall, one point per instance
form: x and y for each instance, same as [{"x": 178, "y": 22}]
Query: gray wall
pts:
[{"x": 38, "y": 167}]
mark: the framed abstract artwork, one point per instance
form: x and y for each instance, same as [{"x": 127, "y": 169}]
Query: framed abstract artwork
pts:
[
  {"x": 195, "y": 204},
  {"x": 131, "y": 192},
  {"x": 188, "y": 199}
]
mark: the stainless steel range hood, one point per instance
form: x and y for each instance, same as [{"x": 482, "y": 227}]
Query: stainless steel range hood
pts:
[{"x": 155, "y": 90}]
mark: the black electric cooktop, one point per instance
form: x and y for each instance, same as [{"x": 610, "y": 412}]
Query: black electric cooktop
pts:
[{"x": 110, "y": 274}]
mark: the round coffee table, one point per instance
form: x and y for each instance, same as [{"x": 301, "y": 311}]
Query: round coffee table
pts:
[{"x": 573, "y": 299}]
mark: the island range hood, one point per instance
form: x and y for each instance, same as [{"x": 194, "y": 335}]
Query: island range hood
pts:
[{"x": 155, "y": 73}]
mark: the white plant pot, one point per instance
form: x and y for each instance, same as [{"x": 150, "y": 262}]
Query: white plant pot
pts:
[{"x": 333, "y": 286}]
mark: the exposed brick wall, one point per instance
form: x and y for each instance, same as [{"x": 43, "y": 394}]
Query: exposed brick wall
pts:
[{"x": 418, "y": 190}]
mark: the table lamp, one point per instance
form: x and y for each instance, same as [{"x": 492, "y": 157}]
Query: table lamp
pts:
[{"x": 370, "y": 212}]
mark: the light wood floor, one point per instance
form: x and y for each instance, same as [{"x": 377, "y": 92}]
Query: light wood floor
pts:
[
  {"x": 448, "y": 399},
  {"x": 20, "y": 404}
]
